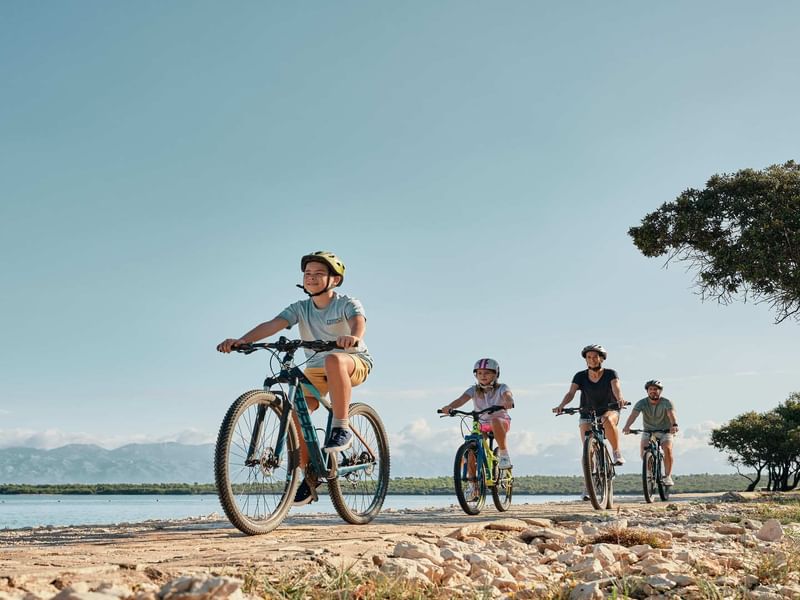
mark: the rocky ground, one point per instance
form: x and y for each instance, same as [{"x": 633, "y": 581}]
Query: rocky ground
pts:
[{"x": 731, "y": 546}]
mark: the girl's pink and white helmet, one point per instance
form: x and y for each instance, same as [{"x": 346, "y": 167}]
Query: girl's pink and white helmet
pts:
[{"x": 487, "y": 363}]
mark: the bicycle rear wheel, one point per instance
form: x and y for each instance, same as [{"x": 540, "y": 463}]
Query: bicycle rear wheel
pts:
[
  {"x": 594, "y": 472},
  {"x": 470, "y": 488},
  {"x": 663, "y": 490},
  {"x": 648, "y": 476},
  {"x": 256, "y": 487},
  {"x": 358, "y": 496},
  {"x": 503, "y": 487}
]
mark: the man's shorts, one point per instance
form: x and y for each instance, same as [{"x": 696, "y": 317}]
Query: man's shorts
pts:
[
  {"x": 316, "y": 375},
  {"x": 487, "y": 427},
  {"x": 661, "y": 437}
]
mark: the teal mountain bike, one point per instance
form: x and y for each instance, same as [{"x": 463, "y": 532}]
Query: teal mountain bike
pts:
[
  {"x": 476, "y": 469},
  {"x": 257, "y": 457},
  {"x": 597, "y": 463}
]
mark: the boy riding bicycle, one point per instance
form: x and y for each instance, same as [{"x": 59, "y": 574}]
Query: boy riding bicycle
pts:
[
  {"x": 324, "y": 315},
  {"x": 657, "y": 413},
  {"x": 488, "y": 391}
]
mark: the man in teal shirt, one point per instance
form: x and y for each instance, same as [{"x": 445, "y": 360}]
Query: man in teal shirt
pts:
[{"x": 657, "y": 413}]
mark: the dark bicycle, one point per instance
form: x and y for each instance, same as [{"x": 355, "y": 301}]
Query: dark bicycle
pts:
[
  {"x": 257, "y": 457},
  {"x": 476, "y": 466},
  {"x": 597, "y": 461},
  {"x": 653, "y": 467}
]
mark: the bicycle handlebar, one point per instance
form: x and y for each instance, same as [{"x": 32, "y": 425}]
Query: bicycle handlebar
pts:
[
  {"x": 469, "y": 413},
  {"x": 285, "y": 345},
  {"x": 649, "y": 431},
  {"x": 591, "y": 412}
]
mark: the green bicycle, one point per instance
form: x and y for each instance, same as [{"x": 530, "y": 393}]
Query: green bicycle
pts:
[
  {"x": 476, "y": 468},
  {"x": 257, "y": 457}
]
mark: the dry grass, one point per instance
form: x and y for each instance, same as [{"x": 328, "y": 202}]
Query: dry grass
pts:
[{"x": 627, "y": 537}]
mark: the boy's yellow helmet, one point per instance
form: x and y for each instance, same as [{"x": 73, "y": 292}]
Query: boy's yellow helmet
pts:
[{"x": 335, "y": 265}]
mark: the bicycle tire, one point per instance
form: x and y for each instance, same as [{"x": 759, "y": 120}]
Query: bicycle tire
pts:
[
  {"x": 359, "y": 495},
  {"x": 255, "y": 497},
  {"x": 648, "y": 476},
  {"x": 473, "y": 504},
  {"x": 503, "y": 488},
  {"x": 595, "y": 478},
  {"x": 663, "y": 490}
]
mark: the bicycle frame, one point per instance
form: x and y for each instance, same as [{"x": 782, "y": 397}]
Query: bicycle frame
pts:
[
  {"x": 485, "y": 453},
  {"x": 295, "y": 401}
]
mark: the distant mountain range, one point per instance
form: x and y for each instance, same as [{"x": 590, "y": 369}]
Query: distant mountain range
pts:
[
  {"x": 171, "y": 462},
  {"x": 167, "y": 462}
]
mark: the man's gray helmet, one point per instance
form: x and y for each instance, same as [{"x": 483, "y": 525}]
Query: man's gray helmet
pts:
[{"x": 654, "y": 383}]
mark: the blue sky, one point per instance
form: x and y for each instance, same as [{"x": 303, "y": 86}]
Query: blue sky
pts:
[{"x": 477, "y": 166}]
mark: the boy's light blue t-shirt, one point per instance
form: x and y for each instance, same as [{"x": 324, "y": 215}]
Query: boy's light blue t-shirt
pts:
[{"x": 325, "y": 324}]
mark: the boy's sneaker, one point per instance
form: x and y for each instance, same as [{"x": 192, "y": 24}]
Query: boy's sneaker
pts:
[
  {"x": 505, "y": 461},
  {"x": 618, "y": 458},
  {"x": 341, "y": 439},
  {"x": 668, "y": 480},
  {"x": 306, "y": 493}
]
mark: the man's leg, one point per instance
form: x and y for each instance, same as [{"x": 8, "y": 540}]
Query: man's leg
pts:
[{"x": 666, "y": 448}]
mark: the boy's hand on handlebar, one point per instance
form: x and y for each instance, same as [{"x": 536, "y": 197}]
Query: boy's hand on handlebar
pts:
[
  {"x": 347, "y": 341},
  {"x": 227, "y": 345}
]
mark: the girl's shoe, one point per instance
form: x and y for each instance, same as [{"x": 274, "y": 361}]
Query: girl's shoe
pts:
[{"x": 505, "y": 461}]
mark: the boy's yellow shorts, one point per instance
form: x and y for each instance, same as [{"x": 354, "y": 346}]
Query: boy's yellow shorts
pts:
[{"x": 316, "y": 375}]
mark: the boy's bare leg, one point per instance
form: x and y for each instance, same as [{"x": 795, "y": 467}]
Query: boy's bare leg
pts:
[{"x": 338, "y": 369}]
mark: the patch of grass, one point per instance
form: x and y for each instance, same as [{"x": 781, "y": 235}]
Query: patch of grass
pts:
[
  {"x": 778, "y": 567},
  {"x": 785, "y": 512},
  {"x": 627, "y": 537},
  {"x": 327, "y": 583}
]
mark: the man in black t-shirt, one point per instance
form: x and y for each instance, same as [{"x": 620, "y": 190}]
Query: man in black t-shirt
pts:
[{"x": 600, "y": 390}]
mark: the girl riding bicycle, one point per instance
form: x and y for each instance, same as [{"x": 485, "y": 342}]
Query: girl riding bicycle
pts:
[{"x": 488, "y": 391}]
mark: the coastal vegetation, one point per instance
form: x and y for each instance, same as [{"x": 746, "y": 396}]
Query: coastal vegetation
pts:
[
  {"x": 628, "y": 483},
  {"x": 764, "y": 443}
]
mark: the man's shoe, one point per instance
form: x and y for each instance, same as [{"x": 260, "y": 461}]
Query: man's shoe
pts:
[
  {"x": 667, "y": 480},
  {"x": 341, "y": 439},
  {"x": 505, "y": 461},
  {"x": 585, "y": 496},
  {"x": 306, "y": 494},
  {"x": 618, "y": 458}
]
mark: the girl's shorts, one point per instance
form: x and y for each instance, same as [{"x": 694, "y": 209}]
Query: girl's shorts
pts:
[{"x": 487, "y": 427}]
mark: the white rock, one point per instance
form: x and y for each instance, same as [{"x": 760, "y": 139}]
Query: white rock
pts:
[
  {"x": 586, "y": 591},
  {"x": 771, "y": 531},
  {"x": 418, "y": 550}
]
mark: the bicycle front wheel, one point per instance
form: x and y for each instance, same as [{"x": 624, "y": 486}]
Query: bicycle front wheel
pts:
[
  {"x": 256, "y": 481},
  {"x": 358, "y": 495},
  {"x": 594, "y": 472},
  {"x": 469, "y": 480},
  {"x": 648, "y": 476},
  {"x": 503, "y": 487}
]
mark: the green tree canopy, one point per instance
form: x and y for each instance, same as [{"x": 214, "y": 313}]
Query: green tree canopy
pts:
[{"x": 741, "y": 233}]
